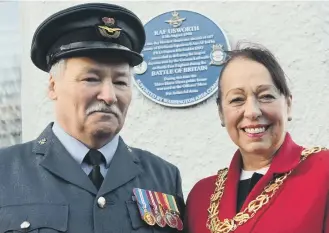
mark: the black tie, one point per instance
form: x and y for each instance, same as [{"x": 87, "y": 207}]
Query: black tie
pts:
[{"x": 95, "y": 158}]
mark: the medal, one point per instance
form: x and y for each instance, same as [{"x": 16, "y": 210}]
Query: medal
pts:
[
  {"x": 148, "y": 216},
  {"x": 169, "y": 217},
  {"x": 156, "y": 208},
  {"x": 160, "y": 205},
  {"x": 173, "y": 205},
  {"x": 143, "y": 205},
  {"x": 149, "y": 219}
]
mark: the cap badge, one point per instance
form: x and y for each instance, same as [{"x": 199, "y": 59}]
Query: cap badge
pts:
[{"x": 109, "y": 30}]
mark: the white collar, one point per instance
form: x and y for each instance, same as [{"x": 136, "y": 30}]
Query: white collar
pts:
[{"x": 248, "y": 174}]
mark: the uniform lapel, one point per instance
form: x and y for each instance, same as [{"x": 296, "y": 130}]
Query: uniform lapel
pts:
[
  {"x": 58, "y": 161},
  {"x": 123, "y": 168}
]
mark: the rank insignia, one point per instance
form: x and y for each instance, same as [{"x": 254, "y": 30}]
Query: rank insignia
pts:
[
  {"x": 42, "y": 141},
  {"x": 108, "y": 29},
  {"x": 159, "y": 208},
  {"x": 129, "y": 149}
]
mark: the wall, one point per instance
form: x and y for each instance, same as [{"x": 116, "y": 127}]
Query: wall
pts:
[
  {"x": 10, "y": 76},
  {"x": 192, "y": 138}
]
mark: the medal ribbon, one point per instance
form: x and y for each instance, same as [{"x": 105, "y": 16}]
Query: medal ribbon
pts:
[
  {"x": 162, "y": 201},
  {"x": 172, "y": 203},
  {"x": 151, "y": 198},
  {"x": 170, "y": 218},
  {"x": 163, "y": 198},
  {"x": 140, "y": 195},
  {"x": 139, "y": 201},
  {"x": 146, "y": 200},
  {"x": 157, "y": 199}
]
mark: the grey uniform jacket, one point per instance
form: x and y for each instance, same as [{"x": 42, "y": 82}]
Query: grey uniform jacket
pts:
[{"x": 44, "y": 188}]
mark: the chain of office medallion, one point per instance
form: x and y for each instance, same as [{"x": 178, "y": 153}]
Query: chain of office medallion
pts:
[{"x": 228, "y": 225}]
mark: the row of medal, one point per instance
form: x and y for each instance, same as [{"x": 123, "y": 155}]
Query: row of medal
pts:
[{"x": 158, "y": 208}]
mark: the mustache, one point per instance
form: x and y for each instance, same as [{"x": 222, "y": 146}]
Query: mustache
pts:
[{"x": 102, "y": 107}]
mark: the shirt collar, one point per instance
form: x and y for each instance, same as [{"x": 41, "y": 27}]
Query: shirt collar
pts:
[
  {"x": 248, "y": 174},
  {"x": 78, "y": 150}
]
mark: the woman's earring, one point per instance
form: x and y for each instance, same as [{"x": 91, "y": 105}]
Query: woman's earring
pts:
[{"x": 289, "y": 118}]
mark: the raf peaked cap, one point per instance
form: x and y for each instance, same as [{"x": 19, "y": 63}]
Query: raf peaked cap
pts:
[{"x": 92, "y": 29}]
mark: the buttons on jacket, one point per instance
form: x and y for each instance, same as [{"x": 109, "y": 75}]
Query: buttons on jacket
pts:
[
  {"x": 101, "y": 201},
  {"x": 25, "y": 225}
]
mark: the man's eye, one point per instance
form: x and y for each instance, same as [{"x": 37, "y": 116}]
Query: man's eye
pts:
[
  {"x": 120, "y": 83},
  {"x": 90, "y": 79}
]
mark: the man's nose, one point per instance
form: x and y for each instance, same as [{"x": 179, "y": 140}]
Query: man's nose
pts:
[{"x": 107, "y": 93}]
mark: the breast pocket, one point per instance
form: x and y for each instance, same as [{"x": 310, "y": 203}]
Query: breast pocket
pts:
[
  {"x": 137, "y": 224},
  {"x": 34, "y": 218}
]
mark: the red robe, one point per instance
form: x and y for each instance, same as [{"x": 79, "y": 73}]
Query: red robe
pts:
[{"x": 301, "y": 205}]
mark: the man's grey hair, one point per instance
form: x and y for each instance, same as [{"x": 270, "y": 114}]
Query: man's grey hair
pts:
[{"x": 58, "y": 68}]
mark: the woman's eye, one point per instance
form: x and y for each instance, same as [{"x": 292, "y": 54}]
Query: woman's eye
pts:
[
  {"x": 267, "y": 97},
  {"x": 236, "y": 100}
]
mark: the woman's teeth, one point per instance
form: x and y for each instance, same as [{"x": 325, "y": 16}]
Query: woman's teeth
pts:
[{"x": 255, "y": 130}]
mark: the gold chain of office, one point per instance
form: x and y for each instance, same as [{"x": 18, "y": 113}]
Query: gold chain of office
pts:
[{"x": 229, "y": 225}]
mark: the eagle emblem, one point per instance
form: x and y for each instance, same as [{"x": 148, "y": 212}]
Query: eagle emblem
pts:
[{"x": 109, "y": 30}]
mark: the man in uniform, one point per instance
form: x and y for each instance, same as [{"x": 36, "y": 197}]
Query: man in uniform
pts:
[{"x": 79, "y": 176}]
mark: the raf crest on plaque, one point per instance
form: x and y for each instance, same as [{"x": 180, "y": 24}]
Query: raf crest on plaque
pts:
[
  {"x": 175, "y": 21},
  {"x": 217, "y": 55},
  {"x": 141, "y": 68}
]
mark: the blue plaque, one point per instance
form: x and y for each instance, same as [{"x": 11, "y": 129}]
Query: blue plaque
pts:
[{"x": 183, "y": 57}]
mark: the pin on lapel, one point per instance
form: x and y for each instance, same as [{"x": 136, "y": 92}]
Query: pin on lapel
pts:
[
  {"x": 129, "y": 149},
  {"x": 42, "y": 141}
]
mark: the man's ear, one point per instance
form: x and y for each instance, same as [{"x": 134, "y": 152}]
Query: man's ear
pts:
[{"x": 52, "y": 88}]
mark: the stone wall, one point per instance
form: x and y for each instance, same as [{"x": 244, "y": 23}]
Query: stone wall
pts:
[{"x": 10, "y": 77}]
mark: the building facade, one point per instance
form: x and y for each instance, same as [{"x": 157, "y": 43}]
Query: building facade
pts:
[
  {"x": 10, "y": 74},
  {"x": 192, "y": 138}
]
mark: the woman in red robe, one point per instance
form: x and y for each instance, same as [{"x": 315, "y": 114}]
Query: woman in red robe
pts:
[{"x": 272, "y": 185}]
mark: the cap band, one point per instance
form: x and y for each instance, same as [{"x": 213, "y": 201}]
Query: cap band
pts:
[{"x": 88, "y": 45}]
